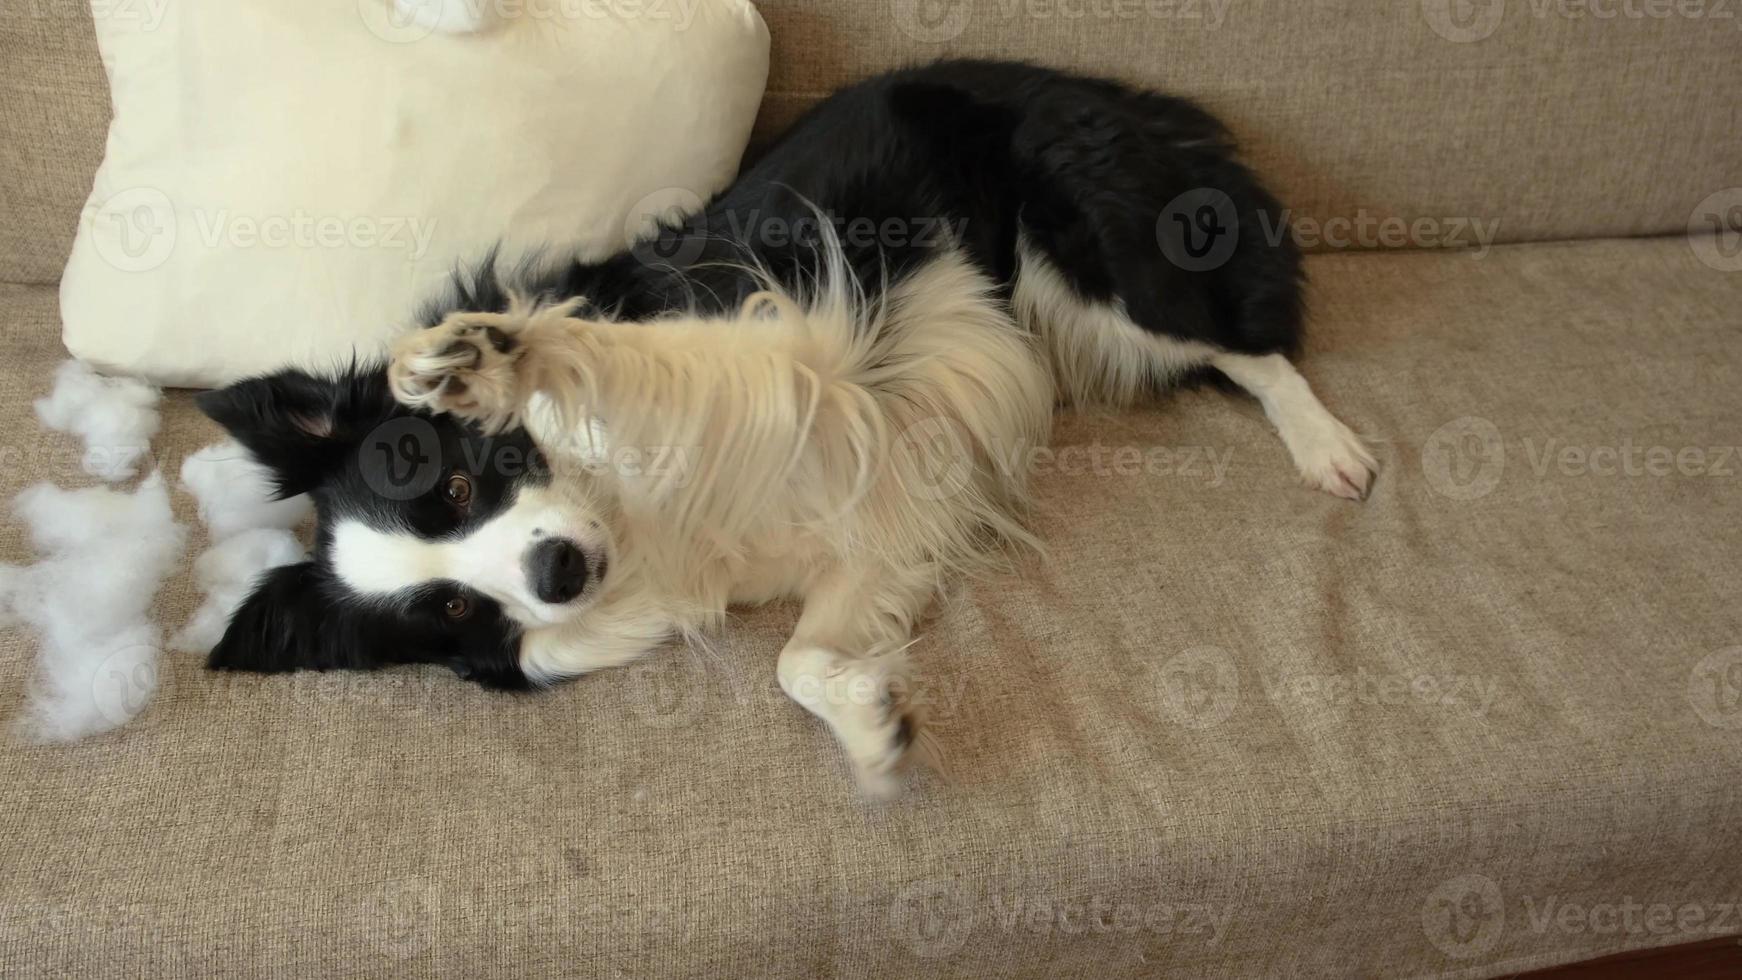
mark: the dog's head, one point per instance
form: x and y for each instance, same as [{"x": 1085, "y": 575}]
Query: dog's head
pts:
[{"x": 435, "y": 543}]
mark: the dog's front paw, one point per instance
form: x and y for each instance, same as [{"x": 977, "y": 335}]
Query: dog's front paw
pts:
[
  {"x": 880, "y": 741},
  {"x": 864, "y": 702},
  {"x": 465, "y": 365}
]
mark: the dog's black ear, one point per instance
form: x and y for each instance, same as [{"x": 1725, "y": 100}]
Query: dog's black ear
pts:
[
  {"x": 290, "y": 622},
  {"x": 301, "y": 426}
]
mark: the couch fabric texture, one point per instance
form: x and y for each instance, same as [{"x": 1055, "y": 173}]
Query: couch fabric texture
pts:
[{"x": 1487, "y": 721}]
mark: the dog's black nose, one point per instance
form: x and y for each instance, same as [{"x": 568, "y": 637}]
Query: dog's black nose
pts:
[{"x": 557, "y": 569}]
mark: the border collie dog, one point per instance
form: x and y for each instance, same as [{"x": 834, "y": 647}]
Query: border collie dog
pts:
[{"x": 811, "y": 388}]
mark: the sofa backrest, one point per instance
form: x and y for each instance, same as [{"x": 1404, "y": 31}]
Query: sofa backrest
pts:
[
  {"x": 1381, "y": 123},
  {"x": 54, "y": 116}
]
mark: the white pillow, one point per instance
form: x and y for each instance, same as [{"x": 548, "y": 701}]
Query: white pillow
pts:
[{"x": 285, "y": 182}]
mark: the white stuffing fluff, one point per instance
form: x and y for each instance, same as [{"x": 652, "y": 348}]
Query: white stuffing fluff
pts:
[
  {"x": 105, "y": 554},
  {"x": 235, "y": 492},
  {"x": 226, "y": 573},
  {"x": 116, "y": 418},
  {"x": 250, "y": 533}
]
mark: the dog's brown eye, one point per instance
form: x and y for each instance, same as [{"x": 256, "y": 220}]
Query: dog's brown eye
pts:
[
  {"x": 457, "y": 608},
  {"x": 458, "y": 490}
]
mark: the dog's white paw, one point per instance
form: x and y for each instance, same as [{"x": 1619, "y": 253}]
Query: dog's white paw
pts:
[
  {"x": 1332, "y": 458},
  {"x": 863, "y": 701},
  {"x": 465, "y": 365}
]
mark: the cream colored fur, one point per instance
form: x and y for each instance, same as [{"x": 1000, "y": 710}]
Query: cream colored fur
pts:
[
  {"x": 848, "y": 452},
  {"x": 841, "y": 451}
]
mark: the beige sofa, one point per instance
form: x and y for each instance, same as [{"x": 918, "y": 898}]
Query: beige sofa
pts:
[{"x": 1491, "y": 720}]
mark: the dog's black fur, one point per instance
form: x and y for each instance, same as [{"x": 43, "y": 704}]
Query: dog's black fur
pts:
[
  {"x": 1086, "y": 169},
  {"x": 358, "y": 453}
]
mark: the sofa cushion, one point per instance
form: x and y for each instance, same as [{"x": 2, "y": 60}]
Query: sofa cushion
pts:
[
  {"x": 252, "y": 215},
  {"x": 1545, "y": 123},
  {"x": 1521, "y": 121},
  {"x": 1231, "y": 727},
  {"x": 54, "y": 115}
]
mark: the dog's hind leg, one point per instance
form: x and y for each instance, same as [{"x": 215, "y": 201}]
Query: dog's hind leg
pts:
[
  {"x": 1101, "y": 354},
  {"x": 845, "y": 664},
  {"x": 1329, "y": 456}
]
